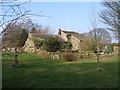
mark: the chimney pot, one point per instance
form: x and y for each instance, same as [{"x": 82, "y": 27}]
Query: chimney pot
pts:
[{"x": 59, "y": 31}]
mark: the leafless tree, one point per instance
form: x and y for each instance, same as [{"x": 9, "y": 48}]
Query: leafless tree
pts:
[
  {"x": 102, "y": 34},
  {"x": 13, "y": 12},
  {"x": 42, "y": 30},
  {"x": 46, "y": 30},
  {"x": 87, "y": 44},
  {"x": 14, "y": 37},
  {"x": 111, "y": 17},
  {"x": 94, "y": 24}
]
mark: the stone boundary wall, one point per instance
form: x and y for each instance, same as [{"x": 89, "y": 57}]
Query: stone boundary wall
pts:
[{"x": 58, "y": 55}]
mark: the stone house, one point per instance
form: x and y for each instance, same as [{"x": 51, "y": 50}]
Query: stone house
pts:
[
  {"x": 111, "y": 48},
  {"x": 74, "y": 37},
  {"x": 63, "y": 36},
  {"x": 116, "y": 47},
  {"x": 29, "y": 44}
]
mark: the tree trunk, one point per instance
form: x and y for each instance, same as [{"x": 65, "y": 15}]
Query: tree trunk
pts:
[
  {"x": 15, "y": 57},
  {"x": 98, "y": 59},
  {"x": 118, "y": 35}
]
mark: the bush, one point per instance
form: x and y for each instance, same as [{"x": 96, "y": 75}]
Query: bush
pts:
[
  {"x": 75, "y": 51},
  {"x": 67, "y": 46},
  {"x": 44, "y": 54},
  {"x": 69, "y": 56},
  {"x": 81, "y": 57},
  {"x": 38, "y": 42},
  {"x": 52, "y": 44}
]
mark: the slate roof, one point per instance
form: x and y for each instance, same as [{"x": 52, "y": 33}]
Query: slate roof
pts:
[
  {"x": 75, "y": 34},
  {"x": 47, "y": 36},
  {"x": 70, "y": 32}
]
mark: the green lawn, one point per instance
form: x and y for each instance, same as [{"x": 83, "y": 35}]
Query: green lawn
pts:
[{"x": 35, "y": 72}]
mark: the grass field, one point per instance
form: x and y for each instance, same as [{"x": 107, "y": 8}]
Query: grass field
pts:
[{"x": 36, "y": 72}]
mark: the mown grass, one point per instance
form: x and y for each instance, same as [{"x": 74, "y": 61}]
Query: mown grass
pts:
[{"x": 36, "y": 72}]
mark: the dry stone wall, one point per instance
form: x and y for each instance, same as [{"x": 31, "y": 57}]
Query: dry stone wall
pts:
[{"x": 29, "y": 44}]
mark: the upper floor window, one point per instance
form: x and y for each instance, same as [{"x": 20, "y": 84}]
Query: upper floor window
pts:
[
  {"x": 81, "y": 41},
  {"x": 69, "y": 37}
]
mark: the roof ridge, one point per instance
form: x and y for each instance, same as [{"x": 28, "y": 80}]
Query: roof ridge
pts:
[{"x": 70, "y": 31}]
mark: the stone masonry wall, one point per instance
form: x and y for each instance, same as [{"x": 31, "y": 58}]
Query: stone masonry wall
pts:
[{"x": 29, "y": 44}]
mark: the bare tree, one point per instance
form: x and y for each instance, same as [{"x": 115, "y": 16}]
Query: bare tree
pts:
[
  {"x": 102, "y": 34},
  {"x": 14, "y": 37},
  {"x": 46, "y": 30},
  {"x": 42, "y": 30},
  {"x": 13, "y": 12},
  {"x": 111, "y": 17},
  {"x": 87, "y": 44},
  {"x": 94, "y": 24},
  {"x": 103, "y": 37}
]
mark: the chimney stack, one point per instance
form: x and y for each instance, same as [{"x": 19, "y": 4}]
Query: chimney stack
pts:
[{"x": 59, "y": 31}]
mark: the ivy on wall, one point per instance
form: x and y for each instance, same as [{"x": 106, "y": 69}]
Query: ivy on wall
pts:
[{"x": 38, "y": 42}]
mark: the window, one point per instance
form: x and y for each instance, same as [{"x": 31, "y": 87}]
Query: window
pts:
[{"x": 81, "y": 41}]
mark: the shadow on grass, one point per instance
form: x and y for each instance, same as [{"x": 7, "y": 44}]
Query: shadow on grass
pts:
[
  {"x": 56, "y": 78},
  {"x": 47, "y": 73}
]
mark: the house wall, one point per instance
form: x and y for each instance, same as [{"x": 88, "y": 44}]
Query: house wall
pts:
[
  {"x": 115, "y": 48},
  {"x": 64, "y": 36},
  {"x": 29, "y": 44},
  {"x": 75, "y": 43}
]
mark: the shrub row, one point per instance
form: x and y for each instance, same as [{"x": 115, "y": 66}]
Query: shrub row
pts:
[{"x": 67, "y": 56}]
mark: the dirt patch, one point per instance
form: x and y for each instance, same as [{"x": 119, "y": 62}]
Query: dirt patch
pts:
[{"x": 106, "y": 58}]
